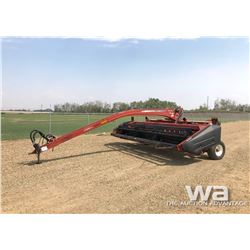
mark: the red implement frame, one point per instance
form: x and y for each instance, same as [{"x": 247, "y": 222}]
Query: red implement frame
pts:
[
  {"x": 169, "y": 113},
  {"x": 172, "y": 114}
]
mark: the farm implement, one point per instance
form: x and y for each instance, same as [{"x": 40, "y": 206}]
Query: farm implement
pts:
[{"x": 170, "y": 132}]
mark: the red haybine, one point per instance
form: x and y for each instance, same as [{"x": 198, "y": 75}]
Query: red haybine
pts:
[{"x": 170, "y": 132}]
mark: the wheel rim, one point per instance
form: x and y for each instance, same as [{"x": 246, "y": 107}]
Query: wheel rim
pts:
[{"x": 219, "y": 150}]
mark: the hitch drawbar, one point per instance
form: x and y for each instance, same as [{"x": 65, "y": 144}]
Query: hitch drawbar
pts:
[
  {"x": 170, "y": 132},
  {"x": 39, "y": 139},
  {"x": 42, "y": 142}
]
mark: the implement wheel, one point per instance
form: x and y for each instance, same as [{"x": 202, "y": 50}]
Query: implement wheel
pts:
[{"x": 217, "y": 151}]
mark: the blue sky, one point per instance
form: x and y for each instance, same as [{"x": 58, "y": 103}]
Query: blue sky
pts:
[{"x": 48, "y": 71}]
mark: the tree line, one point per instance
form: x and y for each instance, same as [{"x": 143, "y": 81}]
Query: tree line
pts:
[
  {"x": 103, "y": 107},
  {"x": 225, "y": 105}
]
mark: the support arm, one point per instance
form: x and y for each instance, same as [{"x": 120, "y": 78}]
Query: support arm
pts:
[{"x": 172, "y": 114}]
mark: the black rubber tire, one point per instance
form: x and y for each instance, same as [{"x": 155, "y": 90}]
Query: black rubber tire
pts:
[{"x": 213, "y": 154}]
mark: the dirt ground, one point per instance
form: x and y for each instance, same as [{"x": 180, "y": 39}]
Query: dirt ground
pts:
[{"x": 103, "y": 174}]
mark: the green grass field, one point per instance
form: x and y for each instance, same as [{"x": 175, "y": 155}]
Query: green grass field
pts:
[{"x": 18, "y": 125}]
